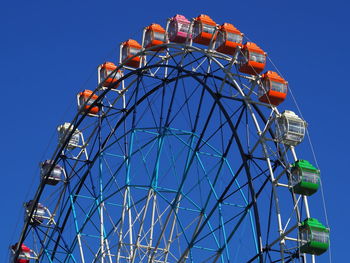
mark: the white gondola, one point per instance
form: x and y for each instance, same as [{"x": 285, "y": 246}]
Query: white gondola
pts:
[
  {"x": 38, "y": 215},
  {"x": 290, "y": 128},
  {"x": 64, "y": 130},
  {"x": 55, "y": 175}
]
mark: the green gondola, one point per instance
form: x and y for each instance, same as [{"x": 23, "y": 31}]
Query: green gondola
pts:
[
  {"x": 314, "y": 237},
  {"x": 305, "y": 178}
]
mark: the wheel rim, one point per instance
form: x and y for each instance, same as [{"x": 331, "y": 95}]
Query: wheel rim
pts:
[{"x": 124, "y": 136}]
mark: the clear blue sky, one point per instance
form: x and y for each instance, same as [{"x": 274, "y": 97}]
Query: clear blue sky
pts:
[{"x": 49, "y": 49}]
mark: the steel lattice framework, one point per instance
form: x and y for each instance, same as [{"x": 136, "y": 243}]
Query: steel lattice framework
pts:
[{"x": 181, "y": 164}]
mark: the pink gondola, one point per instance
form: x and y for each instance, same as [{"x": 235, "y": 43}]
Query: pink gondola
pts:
[{"x": 179, "y": 29}]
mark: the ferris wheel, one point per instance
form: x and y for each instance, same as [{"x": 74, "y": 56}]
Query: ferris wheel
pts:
[{"x": 180, "y": 154}]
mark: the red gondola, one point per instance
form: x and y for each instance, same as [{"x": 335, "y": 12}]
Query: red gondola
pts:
[
  {"x": 23, "y": 256},
  {"x": 253, "y": 60},
  {"x": 273, "y": 89}
]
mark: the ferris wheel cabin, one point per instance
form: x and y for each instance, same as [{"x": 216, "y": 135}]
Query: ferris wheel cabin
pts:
[
  {"x": 290, "y": 128},
  {"x": 38, "y": 215},
  {"x": 85, "y": 100},
  {"x": 179, "y": 28},
  {"x": 23, "y": 256},
  {"x": 106, "y": 76},
  {"x": 55, "y": 175},
  {"x": 204, "y": 30},
  {"x": 305, "y": 178},
  {"x": 314, "y": 237},
  {"x": 154, "y": 35},
  {"x": 228, "y": 39},
  {"x": 129, "y": 49},
  {"x": 253, "y": 59},
  {"x": 273, "y": 88},
  {"x": 63, "y": 131}
]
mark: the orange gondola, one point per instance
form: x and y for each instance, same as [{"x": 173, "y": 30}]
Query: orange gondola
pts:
[
  {"x": 129, "y": 49},
  {"x": 106, "y": 78},
  {"x": 85, "y": 100},
  {"x": 253, "y": 59},
  {"x": 204, "y": 29},
  {"x": 273, "y": 89},
  {"x": 228, "y": 39},
  {"x": 154, "y": 35}
]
